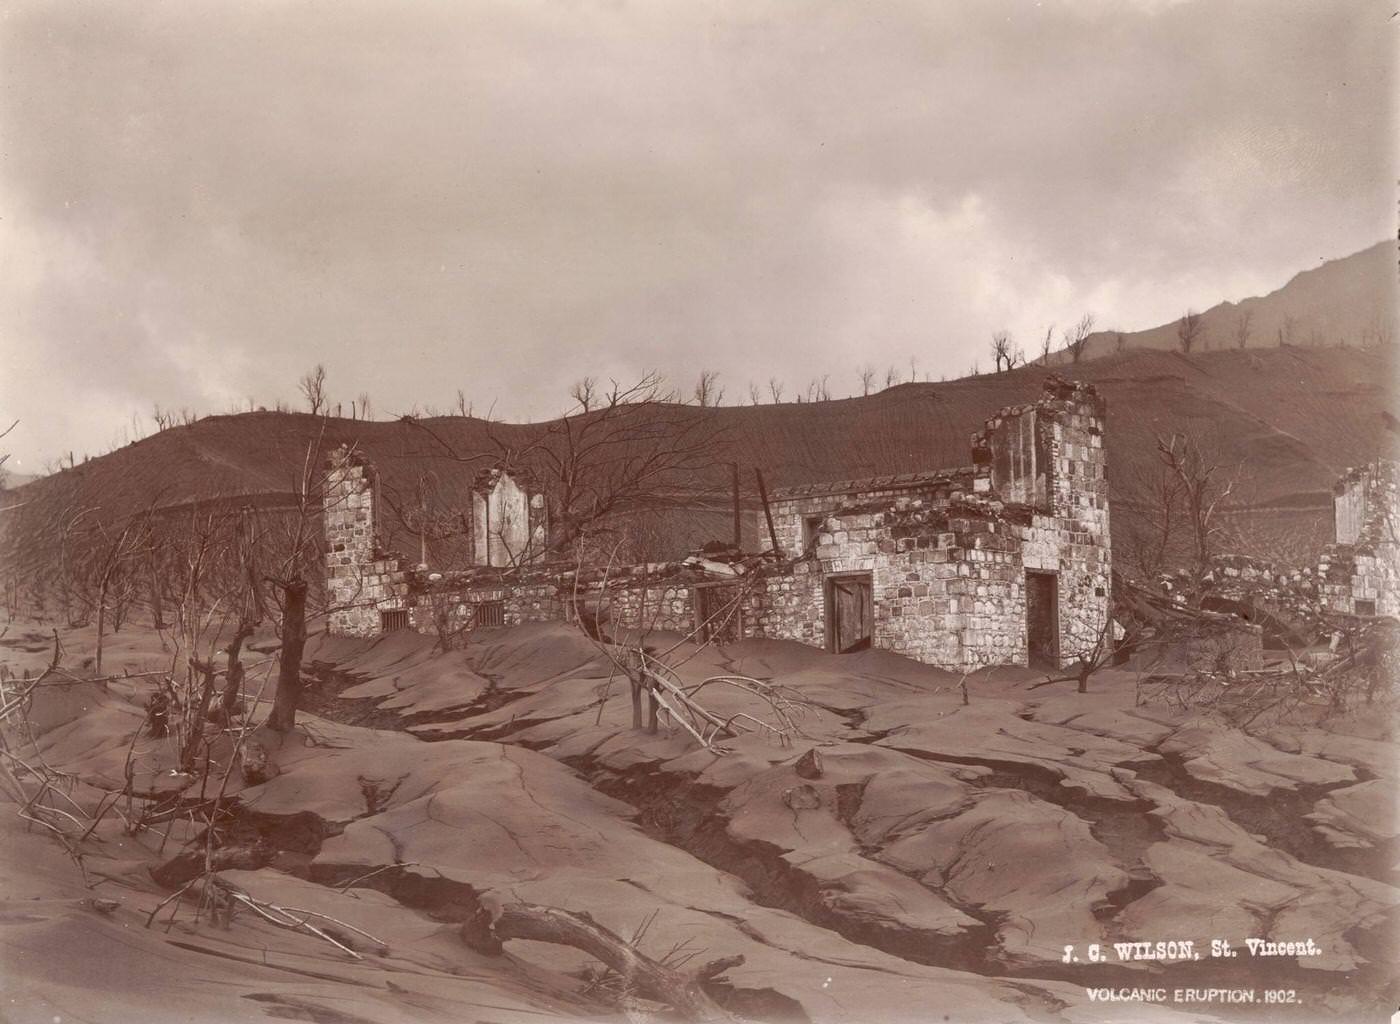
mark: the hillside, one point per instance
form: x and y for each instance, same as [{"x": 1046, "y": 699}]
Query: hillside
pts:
[
  {"x": 1347, "y": 302},
  {"x": 1295, "y": 417}
]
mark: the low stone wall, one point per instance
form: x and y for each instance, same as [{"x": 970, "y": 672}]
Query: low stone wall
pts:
[
  {"x": 664, "y": 607},
  {"x": 787, "y": 605},
  {"x": 450, "y": 612}
]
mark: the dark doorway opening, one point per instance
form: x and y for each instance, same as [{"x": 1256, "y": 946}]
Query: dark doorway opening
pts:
[
  {"x": 1042, "y": 620},
  {"x": 717, "y": 613},
  {"x": 850, "y": 612}
]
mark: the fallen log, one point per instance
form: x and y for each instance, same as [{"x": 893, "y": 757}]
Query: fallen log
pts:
[{"x": 685, "y": 993}]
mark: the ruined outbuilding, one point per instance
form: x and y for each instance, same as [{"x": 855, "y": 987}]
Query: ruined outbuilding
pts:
[{"x": 1005, "y": 561}]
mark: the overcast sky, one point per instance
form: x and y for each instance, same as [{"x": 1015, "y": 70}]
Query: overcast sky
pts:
[{"x": 201, "y": 200}]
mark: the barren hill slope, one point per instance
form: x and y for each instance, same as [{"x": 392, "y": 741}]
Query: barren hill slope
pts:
[
  {"x": 1295, "y": 417},
  {"x": 1347, "y": 302}
]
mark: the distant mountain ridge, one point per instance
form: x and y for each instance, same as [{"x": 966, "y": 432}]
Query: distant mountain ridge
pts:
[{"x": 1353, "y": 301}]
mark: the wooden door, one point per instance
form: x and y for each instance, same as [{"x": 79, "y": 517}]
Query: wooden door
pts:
[
  {"x": 1042, "y": 620},
  {"x": 850, "y": 613}
]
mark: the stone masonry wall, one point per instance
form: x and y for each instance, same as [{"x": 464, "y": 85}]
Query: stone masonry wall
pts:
[
  {"x": 947, "y": 580},
  {"x": 787, "y": 604},
  {"x": 452, "y": 610},
  {"x": 665, "y": 607},
  {"x": 946, "y": 553},
  {"x": 1366, "y": 569},
  {"x": 793, "y": 507},
  {"x": 361, "y": 579},
  {"x": 1069, "y": 532}
]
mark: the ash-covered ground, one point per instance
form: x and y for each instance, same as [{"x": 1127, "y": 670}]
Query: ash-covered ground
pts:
[{"x": 932, "y": 863}]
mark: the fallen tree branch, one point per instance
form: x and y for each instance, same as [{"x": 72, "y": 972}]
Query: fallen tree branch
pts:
[{"x": 685, "y": 993}]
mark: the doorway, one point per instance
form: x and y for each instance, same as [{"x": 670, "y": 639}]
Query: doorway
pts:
[
  {"x": 850, "y": 612},
  {"x": 718, "y": 613},
  {"x": 1042, "y": 620}
]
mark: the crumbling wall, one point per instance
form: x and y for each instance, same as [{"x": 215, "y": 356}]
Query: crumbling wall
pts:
[
  {"x": 508, "y": 522},
  {"x": 361, "y": 579},
  {"x": 1060, "y": 439},
  {"x": 794, "y": 507},
  {"x": 452, "y": 610},
  {"x": 946, "y": 551},
  {"x": 1362, "y": 576}
]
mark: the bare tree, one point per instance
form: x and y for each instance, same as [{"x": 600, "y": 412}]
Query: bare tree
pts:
[
  {"x": 635, "y": 453},
  {"x": 1001, "y": 351},
  {"x": 776, "y": 388},
  {"x": 867, "y": 379},
  {"x": 584, "y": 392},
  {"x": 1205, "y": 485},
  {"x": 464, "y": 408},
  {"x": 365, "y": 411},
  {"x": 755, "y": 393},
  {"x": 1076, "y": 338},
  {"x": 891, "y": 376},
  {"x": 1242, "y": 324},
  {"x": 1188, "y": 330},
  {"x": 1151, "y": 513},
  {"x": 114, "y": 572},
  {"x": 708, "y": 392},
  {"x": 1045, "y": 345},
  {"x": 313, "y": 388}
]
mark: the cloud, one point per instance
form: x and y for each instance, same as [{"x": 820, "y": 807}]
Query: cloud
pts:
[{"x": 201, "y": 200}]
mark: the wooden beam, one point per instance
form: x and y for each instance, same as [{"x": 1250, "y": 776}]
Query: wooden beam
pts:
[{"x": 767, "y": 512}]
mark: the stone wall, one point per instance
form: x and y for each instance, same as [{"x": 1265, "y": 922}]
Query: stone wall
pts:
[
  {"x": 794, "y": 507},
  {"x": 947, "y": 580},
  {"x": 947, "y": 553},
  {"x": 1349, "y": 507},
  {"x": 643, "y": 609},
  {"x": 361, "y": 579},
  {"x": 1069, "y": 533},
  {"x": 508, "y": 520},
  {"x": 438, "y": 610},
  {"x": 787, "y": 603},
  {"x": 1362, "y": 575}
]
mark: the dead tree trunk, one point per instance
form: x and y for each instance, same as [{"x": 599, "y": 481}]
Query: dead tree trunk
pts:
[
  {"x": 284, "y": 707},
  {"x": 652, "y": 980},
  {"x": 157, "y": 602},
  {"x": 233, "y": 683},
  {"x": 101, "y": 624},
  {"x": 196, "y": 721}
]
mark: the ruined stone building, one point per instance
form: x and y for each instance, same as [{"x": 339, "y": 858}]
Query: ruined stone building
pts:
[{"x": 1007, "y": 560}]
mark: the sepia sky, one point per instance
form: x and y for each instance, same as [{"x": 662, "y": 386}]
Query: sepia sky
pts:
[{"x": 198, "y": 201}]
